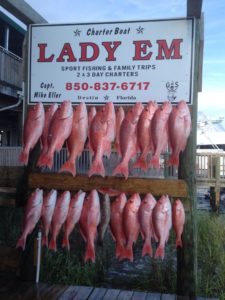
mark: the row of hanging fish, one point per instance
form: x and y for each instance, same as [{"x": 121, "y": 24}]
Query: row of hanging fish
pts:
[
  {"x": 142, "y": 129},
  {"x": 127, "y": 218}
]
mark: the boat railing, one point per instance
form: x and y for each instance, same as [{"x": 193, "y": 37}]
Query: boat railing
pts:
[{"x": 209, "y": 166}]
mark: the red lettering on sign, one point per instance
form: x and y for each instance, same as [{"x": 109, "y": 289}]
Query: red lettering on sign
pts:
[
  {"x": 141, "y": 48},
  {"x": 84, "y": 47},
  {"x": 111, "y": 49},
  {"x": 172, "y": 52},
  {"x": 66, "y": 51},
  {"x": 42, "y": 57}
]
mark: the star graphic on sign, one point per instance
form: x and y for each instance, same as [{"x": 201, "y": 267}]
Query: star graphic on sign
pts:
[
  {"x": 140, "y": 29},
  {"x": 77, "y": 32},
  {"x": 106, "y": 97}
]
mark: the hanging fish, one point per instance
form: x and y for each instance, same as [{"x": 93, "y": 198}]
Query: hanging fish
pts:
[
  {"x": 73, "y": 217},
  {"x": 178, "y": 220},
  {"x": 128, "y": 139},
  {"x": 179, "y": 130},
  {"x": 162, "y": 222},
  {"x": 59, "y": 217},
  {"x": 32, "y": 215},
  {"x": 89, "y": 220},
  {"x": 32, "y": 131},
  {"x": 77, "y": 138},
  {"x": 48, "y": 207}
]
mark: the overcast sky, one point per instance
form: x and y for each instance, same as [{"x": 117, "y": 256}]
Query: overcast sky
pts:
[{"x": 212, "y": 99}]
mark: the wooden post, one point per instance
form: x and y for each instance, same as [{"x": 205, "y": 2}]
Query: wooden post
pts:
[
  {"x": 217, "y": 187},
  {"x": 187, "y": 256}
]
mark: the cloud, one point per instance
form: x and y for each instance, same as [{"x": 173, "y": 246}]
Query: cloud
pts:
[{"x": 212, "y": 103}]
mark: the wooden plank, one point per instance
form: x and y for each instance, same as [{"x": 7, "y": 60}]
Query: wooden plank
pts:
[
  {"x": 153, "y": 296},
  {"x": 172, "y": 187},
  {"x": 168, "y": 297},
  {"x": 8, "y": 196},
  {"x": 139, "y": 296},
  {"x": 22, "y": 11},
  {"x": 10, "y": 190},
  {"x": 34, "y": 291},
  {"x": 97, "y": 294},
  {"x": 55, "y": 291},
  {"x": 18, "y": 291},
  {"x": 69, "y": 293},
  {"x": 194, "y": 8},
  {"x": 7, "y": 202},
  {"x": 111, "y": 294},
  {"x": 83, "y": 293},
  {"x": 125, "y": 295}
]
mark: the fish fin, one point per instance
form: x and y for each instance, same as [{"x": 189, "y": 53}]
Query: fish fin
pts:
[
  {"x": 66, "y": 242},
  {"x": 24, "y": 156},
  {"x": 141, "y": 163},
  {"x": 160, "y": 252},
  {"x": 154, "y": 162},
  {"x": 121, "y": 169},
  {"x": 45, "y": 160},
  {"x": 44, "y": 241},
  {"x": 147, "y": 249},
  {"x": 179, "y": 243},
  {"x": 52, "y": 245},
  {"x": 89, "y": 253},
  {"x": 97, "y": 167},
  {"x": 21, "y": 243},
  {"x": 173, "y": 160},
  {"x": 68, "y": 166}
]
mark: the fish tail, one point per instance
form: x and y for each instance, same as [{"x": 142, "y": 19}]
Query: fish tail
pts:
[
  {"x": 21, "y": 243},
  {"x": 154, "y": 162},
  {"x": 122, "y": 168},
  {"x": 52, "y": 245},
  {"x": 66, "y": 242},
  {"x": 147, "y": 249},
  {"x": 173, "y": 160},
  {"x": 44, "y": 241},
  {"x": 141, "y": 163},
  {"x": 89, "y": 253},
  {"x": 160, "y": 252},
  {"x": 45, "y": 160},
  {"x": 128, "y": 253},
  {"x": 179, "y": 243},
  {"x": 68, "y": 166},
  {"x": 24, "y": 155},
  {"x": 97, "y": 168},
  {"x": 120, "y": 251}
]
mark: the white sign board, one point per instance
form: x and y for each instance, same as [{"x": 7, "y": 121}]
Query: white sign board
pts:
[{"x": 123, "y": 62}]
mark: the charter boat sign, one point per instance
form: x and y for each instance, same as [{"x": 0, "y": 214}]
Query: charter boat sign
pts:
[{"x": 123, "y": 62}]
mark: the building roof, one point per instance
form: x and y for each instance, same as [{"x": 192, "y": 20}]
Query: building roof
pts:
[{"x": 10, "y": 22}]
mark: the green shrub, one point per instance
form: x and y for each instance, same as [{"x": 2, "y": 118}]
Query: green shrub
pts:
[{"x": 211, "y": 255}]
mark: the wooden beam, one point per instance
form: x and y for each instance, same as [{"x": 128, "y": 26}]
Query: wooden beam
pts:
[
  {"x": 187, "y": 256},
  {"x": 172, "y": 187},
  {"x": 194, "y": 8},
  {"x": 22, "y": 11}
]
